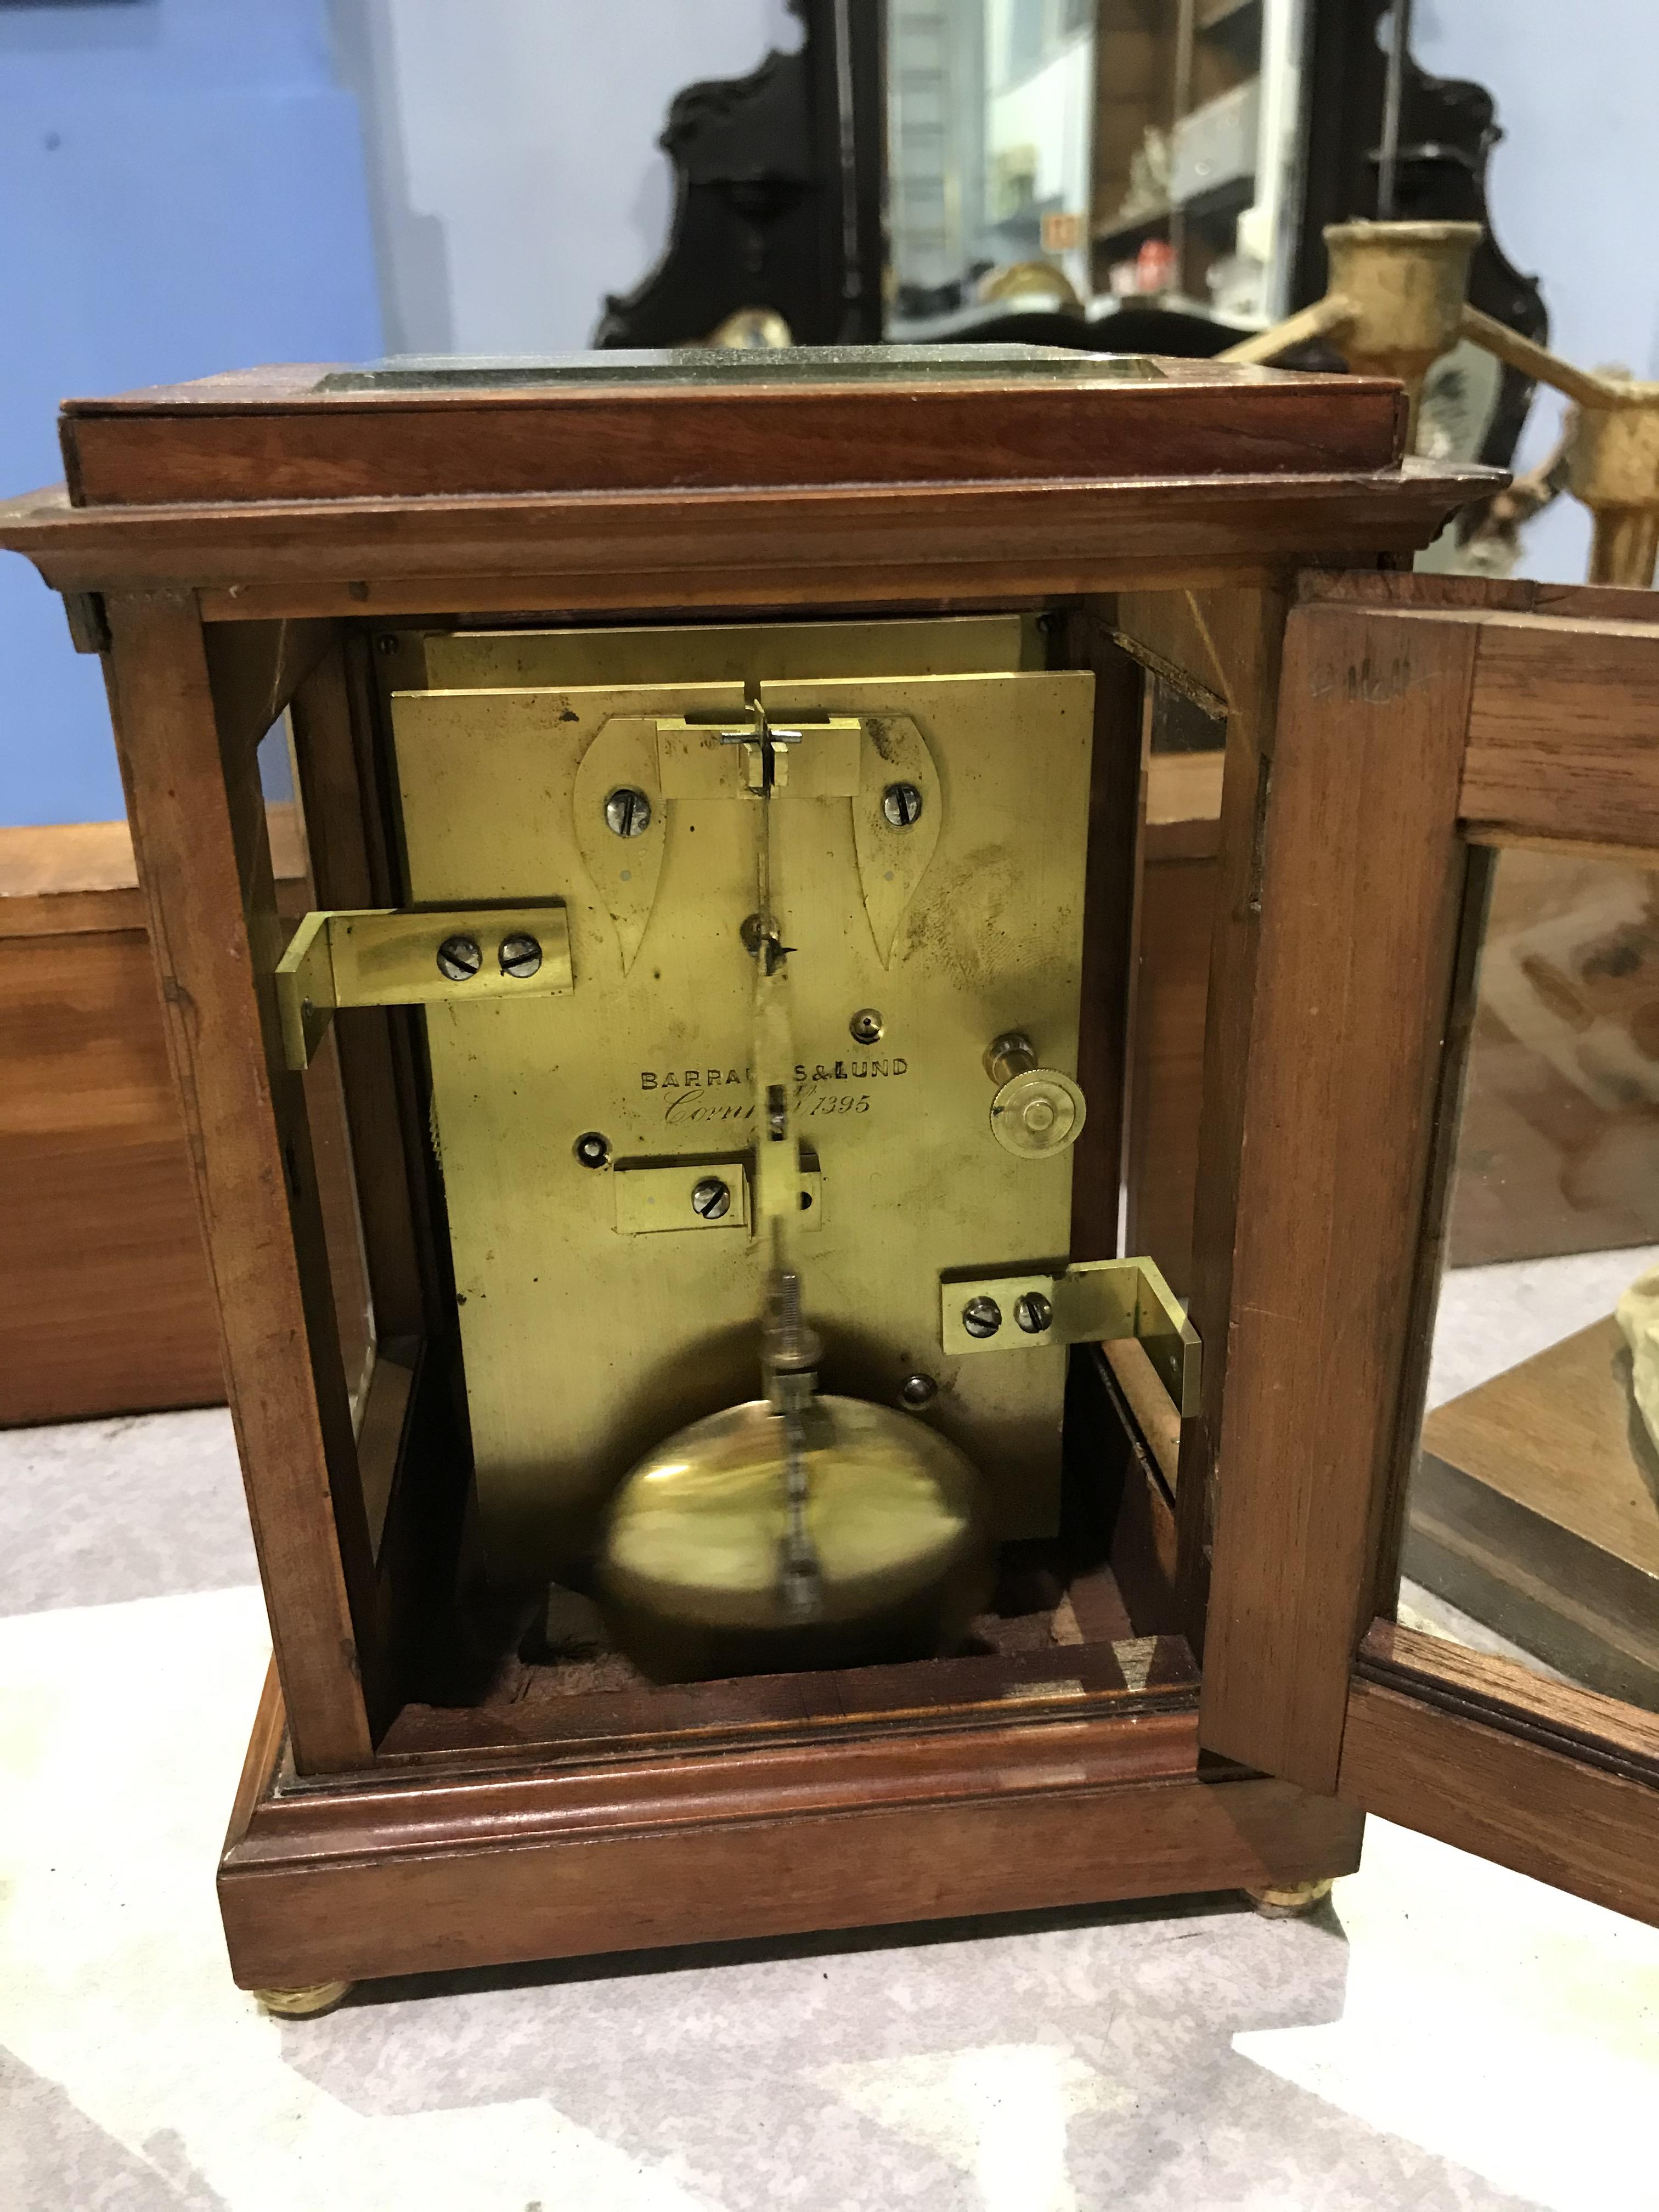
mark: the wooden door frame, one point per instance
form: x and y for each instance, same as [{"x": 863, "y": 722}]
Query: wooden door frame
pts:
[
  {"x": 1421, "y": 723},
  {"x": 189, "y": 709}
]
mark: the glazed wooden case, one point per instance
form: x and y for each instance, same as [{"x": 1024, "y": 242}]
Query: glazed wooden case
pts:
[{"x": 1218, "y": 1691}]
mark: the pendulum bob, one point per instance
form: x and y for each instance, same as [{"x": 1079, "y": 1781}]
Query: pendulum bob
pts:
[{"x": 689, "y": 1571}]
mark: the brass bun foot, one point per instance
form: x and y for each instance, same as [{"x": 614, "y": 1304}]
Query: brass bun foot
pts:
[
  {"x": 1289, "y": 1904},
  {"x": 305, "y": 2003}
]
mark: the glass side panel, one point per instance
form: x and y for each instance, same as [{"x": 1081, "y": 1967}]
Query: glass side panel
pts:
[
  {"x": 1533, "y": 1519},
  {"x": 886, "y": 364}
]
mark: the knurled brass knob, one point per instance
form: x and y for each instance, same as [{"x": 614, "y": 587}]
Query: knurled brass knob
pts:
[
  {"x": 1039, "y": 1112},
  {"x": 1036, "y": 1110}
]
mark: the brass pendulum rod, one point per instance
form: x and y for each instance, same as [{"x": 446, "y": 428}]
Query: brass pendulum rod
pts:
[
  {"x": 777, "y": 1164},
  {"x": 790, "y": 1349}
]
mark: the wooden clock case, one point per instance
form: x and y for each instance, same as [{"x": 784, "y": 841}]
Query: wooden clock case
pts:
[{"x": 237, "y": 548}]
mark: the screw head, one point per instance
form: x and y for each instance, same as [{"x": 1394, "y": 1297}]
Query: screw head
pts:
[
  {"x": 866, "y": 1026},
  {"x": 711, "y": 1198},
  {"x": 628, "y": 812},
  {"x": 386, "y": 642},
  {"x": 901, "y": 803},
  {"x": 592, "y": 1150},
  {"x": 459, "y": 959},
  {"x": 520, "y": 955},
  {"x": 1033, "y": 1312},
  {"x": 981, "y": 1317},
  {"x": 917, "y": 1390},
  {"x": 755, "y": 936}
]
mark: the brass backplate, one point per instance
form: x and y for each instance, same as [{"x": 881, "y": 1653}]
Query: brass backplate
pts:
[
  {"x": 586, "y": 1345},
  {"x": 727, "y": 652}
]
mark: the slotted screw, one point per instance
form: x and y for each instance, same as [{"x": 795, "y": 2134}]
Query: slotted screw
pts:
[
  {"x": 710, "y": 1198},
  {"x": 520, "y": 956},
  {"x": 981, "y": 1317},
  {"x": 917, "y": 1390},
  {"x": 628, "y": 812},
  {"x": 901, "y": 804},
  {"x": 1033, "y": 1312},
  {"x": 459, "y": 959}
]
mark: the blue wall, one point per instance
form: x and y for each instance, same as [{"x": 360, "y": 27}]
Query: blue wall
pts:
[
  {"x": 182, "y": 190},
  {"x": 1571, "y": 188}
]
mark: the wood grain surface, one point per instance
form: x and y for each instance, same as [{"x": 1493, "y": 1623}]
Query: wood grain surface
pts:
[
  {"x": 1144, "y": 1547},
  {"x": 417, "y": 445},
  {"x": 199, "y": 828},
  {"x": 1476, "y": 596},
  {"x": 105, "y": 1305},
  {"x": 1336, "y": 1061},
  {"x": 1608, "y": 1732},
  {"x": 106, "y": 1302},
  {"x": 378, "y": 1877},
  {"x": 1227, "y": 645},
  {"x": 47, "y": 860},
  {"x": 849, "y": 545},
  {"x": 1564, "y": 713},
  {"x": 1564, "y": 730},
  {"x": 525, "y": 1711},
  {"x": 1166, "y": 1082},
  {"x": 1497, "y": 1762},
  {"x": 65, "y": 879}
]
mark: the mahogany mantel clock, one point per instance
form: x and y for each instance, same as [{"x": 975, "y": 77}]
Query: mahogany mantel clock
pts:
[{"x": 716, "y": 1474}]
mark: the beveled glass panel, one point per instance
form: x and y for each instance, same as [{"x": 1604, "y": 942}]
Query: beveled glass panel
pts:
[{"x": 699, "y": 365}]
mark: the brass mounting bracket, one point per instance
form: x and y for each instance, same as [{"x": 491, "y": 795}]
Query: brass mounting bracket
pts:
[
  {"x": 409, "y": 957},
  {"x": 1094, "y": 1302}
]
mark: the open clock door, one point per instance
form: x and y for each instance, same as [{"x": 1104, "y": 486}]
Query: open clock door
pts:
[{"x": 1430, "y": 1167}]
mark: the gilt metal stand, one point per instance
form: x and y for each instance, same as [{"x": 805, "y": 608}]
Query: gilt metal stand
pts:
[{"x": 1397, "y": 301}]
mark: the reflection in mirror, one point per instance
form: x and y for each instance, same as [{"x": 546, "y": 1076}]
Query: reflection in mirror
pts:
[
  {"x": 988, "y": 151},
  {"x": 1533, "y": 1518}
]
